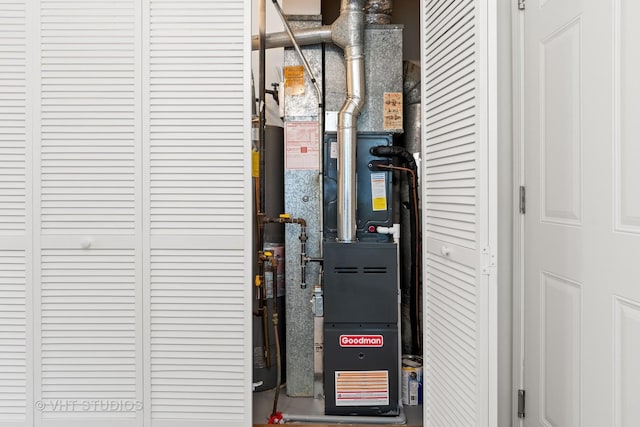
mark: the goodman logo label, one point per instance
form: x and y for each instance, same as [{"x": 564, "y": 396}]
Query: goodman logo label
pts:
[{"x": 361, "y": 341}]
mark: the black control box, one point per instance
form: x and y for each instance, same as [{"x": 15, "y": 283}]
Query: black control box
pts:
[
  {"x": 373, "y": 186},
  {"x": 361, "y": 353}
]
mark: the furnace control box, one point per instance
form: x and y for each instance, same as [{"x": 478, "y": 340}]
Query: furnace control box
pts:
[{"x": 373, "y": 187}]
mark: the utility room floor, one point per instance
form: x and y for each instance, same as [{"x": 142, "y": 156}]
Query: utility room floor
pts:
[{"x": 263, "y": 404}]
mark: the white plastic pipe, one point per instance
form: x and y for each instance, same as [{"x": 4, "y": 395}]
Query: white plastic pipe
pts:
[{"x": 394, "y": 230}]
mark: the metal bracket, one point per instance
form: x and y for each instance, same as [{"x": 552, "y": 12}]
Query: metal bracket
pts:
[
  {"x": 317, "y": 301},
  {"x": 489, "y": 263}
]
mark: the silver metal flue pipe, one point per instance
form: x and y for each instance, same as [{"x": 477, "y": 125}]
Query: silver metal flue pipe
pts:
[
  {"x": 347, "y": 32},
  {"x": 304, "y": 37}
]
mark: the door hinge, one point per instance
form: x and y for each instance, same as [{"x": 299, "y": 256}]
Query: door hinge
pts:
[
  {"x": 520, "y": 403},
  {"x": 523, "y": 200},
  {"x": 521, "y": 4}
]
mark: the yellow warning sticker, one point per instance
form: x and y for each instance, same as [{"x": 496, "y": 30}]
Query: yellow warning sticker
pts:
[
  {"x": 379, "y": 191},
  {"x": 255, "y": 164},
  {"x": 294, "y": 80},
  {"x": 362, "y": 388}
]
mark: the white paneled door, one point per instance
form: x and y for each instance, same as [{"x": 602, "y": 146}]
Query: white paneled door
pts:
[
  {"x": 123, "y": 207},
  {"x": 459, "y": 175},
  {"x": 582, "y": 222}
]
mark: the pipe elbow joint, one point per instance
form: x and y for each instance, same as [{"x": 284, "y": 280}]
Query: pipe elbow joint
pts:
[
  {"x": 358, "y": 104},
  {"x": 348, "y": 29},
  {"x": 352, "y": 107},
  {"x": 346, "y": 38}
]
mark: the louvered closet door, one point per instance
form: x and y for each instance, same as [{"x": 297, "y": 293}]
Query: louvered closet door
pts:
[
  {"x": 15, "y": 234},
  {"x": 198, "y": 187},
  {"x": 88, "y": 252},
  {"x": 459, "y": 146},
  {"x": 124, "y": 213}
]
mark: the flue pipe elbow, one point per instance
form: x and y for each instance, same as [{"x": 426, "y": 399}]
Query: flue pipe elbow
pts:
[{"x": 347, "y": 32}]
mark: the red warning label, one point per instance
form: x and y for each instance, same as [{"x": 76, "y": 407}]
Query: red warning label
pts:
[{"x": 302, "y": 150}]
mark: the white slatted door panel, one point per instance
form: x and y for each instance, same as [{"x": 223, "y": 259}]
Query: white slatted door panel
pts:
[
  {"x": 13, "y": 131},
  {"x": 197, "y": 183},
  {"x": 88, "y": 170},
  {"x": 89, "y": 333},
  {"x": 197, "y": 334},
  {"x": 15, "y": 235},
  {"x": 451, "y": 131},
  {"x": 89, "y": 138},
  {"x": 14, "y": 407},
  {"x": 460, "y": 331},
  {"x": 196, "y": 112}
]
